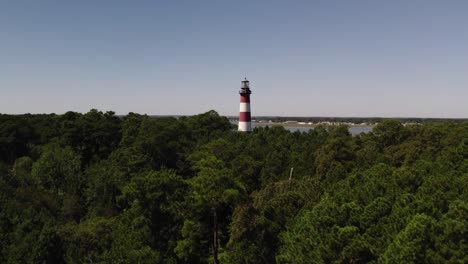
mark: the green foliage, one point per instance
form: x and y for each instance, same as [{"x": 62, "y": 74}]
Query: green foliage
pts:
[
  {"x": 86, "y": 241},
  {"x": 158, "y": 196},
  {"x": 214, "y": 193},
  {"x": 93, "y": 135},
  {"x": 257, "y": 224},
  {"x": 22, "y": 172},
  {"x": 98, "y": 188},
  {"x": 58, "y": 169},
  {"x": 389, "y": 132},
  {"x": 132, "y": 238},
  {"x": 411, "y": 244}
]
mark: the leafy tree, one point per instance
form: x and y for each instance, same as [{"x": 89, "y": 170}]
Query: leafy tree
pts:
[
  {"x": 159, "y": 197},
  {"x": 257, "y": 225},
  {"x": 58, "y": 169},
  {"x": 22, "y": 172},
  {"x": 214, "y": 195},
  {"x": 86, "y": 241},
  {"x": 389, "y": 132},
  {"x": 131, "y": 238},
  {"x": 412, "y": 243}
]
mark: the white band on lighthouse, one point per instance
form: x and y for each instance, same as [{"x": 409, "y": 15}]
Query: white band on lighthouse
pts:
[
  {"x": 244, "y": 107},
  {"x": 245, "y": 126}
]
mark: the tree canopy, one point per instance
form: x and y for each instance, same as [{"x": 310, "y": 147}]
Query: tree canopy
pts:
[{"x": 99, "y": 188}]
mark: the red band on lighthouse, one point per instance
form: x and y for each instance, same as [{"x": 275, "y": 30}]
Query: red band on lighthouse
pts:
[
  {"x": 245, "y": 122},
  {"x": 244, "y": 116},
  {"x": 245, "y": 99}
]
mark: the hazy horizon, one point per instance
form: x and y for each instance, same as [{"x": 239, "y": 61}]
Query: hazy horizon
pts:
[
  {"x": 303, "y": 58},
  {"x": 236, "y": 115}
]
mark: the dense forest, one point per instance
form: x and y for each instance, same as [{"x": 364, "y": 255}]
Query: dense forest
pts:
[{"x": 98, "y": 188}]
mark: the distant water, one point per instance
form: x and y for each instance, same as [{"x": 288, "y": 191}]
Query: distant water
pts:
[{"x": 354, "y": 130}]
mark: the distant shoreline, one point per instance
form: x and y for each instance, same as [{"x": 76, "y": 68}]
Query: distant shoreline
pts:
[{"x": 310, "y": 125}]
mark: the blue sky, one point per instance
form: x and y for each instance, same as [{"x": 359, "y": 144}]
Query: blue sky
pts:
[{"x": 303, "y": 58}]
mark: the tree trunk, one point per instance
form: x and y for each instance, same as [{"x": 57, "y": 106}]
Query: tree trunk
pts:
[{"x": 215, "y": 237}]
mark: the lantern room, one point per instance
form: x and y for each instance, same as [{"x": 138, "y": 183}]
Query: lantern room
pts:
[{"x": 245, "y": 90}]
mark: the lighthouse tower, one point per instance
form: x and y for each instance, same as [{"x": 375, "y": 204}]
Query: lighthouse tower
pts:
[{"x": 245, "y": 123}]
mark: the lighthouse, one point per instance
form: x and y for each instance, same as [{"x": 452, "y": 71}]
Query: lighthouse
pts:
[{"x": 245, "y": 122}]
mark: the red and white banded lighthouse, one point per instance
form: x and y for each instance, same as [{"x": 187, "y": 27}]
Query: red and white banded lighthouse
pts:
[{"x": 245, "y": 121}]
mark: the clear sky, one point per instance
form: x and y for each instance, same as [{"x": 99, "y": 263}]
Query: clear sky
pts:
[{"x": 304, "y": 58}]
